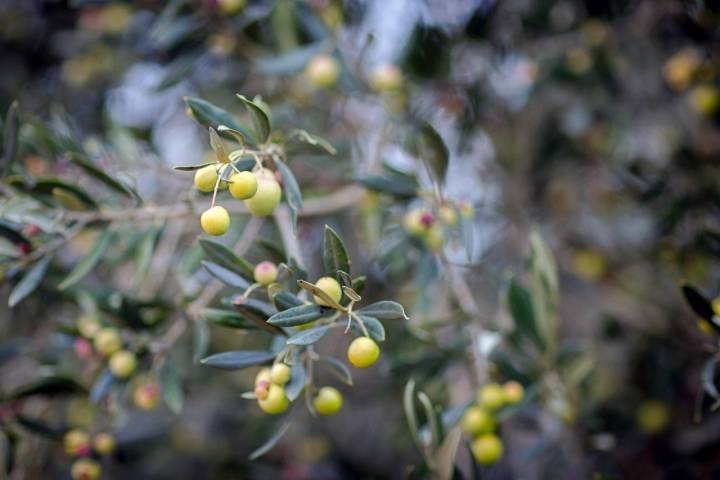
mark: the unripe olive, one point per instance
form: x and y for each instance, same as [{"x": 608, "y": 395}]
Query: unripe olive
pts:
[
  {"x": 491, "y": 397},
  {"x": 435, "y": 237},
  {"x": 104, "y": 443},
  {"x": 331, "y": 287},
  {"x": 206, "y": 178},
  {"x": 88, "y": 325},
  {"x": 266, "y": 198},
  {"x": 448, "y": 215},
  {"x": 716, "y": 305},
  {"x": 85, "y": 469},
  {"x": 653, "y": 416},
  {"x": 243, "y": 185},
  {"x": 487, "y": 449},
  {"x": 386, "y": 78},
  {"x": 76, "y": 442},
  {"x": 215, "y": 220},
  {"x": 280, "y": 374},
  {"x": 363, "y": 352},
  {"x": 123, "y": 363},
  {"x": 262, "y": 376},
  {"x": 230, "y": 7},
  {"x": 147, "y": 396},
  {"x": 265, "y": 273},
  {"x": 276, "y": 401},
  {"x": 477, "y": 421},
  {"x": 413, "y": 224},
  {"x": 514, "y": 392},
  {"x": 323, "y": 71},
  {"x": 704, "y": 99},
  {"x": 107, "y": 341},
  {"x": 328, "y": 401}
]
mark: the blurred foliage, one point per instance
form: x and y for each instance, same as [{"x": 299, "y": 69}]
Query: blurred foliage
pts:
[{"x": 535, "y": 182}]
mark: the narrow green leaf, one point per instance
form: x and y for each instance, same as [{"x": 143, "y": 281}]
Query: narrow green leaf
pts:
[
  {"x": 389, "y": 184},
  {"x": 292, "y": 191},
  {"x": 51, "y": 386},
  {"x": 272, "y": 441},
  {"x": 223, "y": 256},
  {"x": 218, "y": 146},
  {"x": 385, "y": 310},
  {"x": 295, "y": 316},
  {"x": 171, "y": 386},
  {"x": 144, "y": 253},
  {"x": 97, "y": 173},
  {"x": 306, "y": 138},
  {"x": 433, "y": 151},
  {"x": 374, "y": 327},
  {"x": 224, "y": 275},
  {"x": 210, "y": 115},
  {"x": 284, "y": 300},
  {"x": 335, "y": 256},
  {"x": 88, "y": 263},
  {"x": 339, "y": 369},
  {"x": 226, "y": 318},
  {"x": 521, "y": 309},
  {"x": 446, "y": 454},
  {"x": 699, "y": 303},
  {"x": 40, "y": 427},
  {"x": 10, "y": 137},
  {"x": 234, "y": 360},
  {"x": 308, "y": 337},
  {"x": 431, "y": 417},
  {"x": 29, "y": 282},
  {"x": 260, "y": 117},
  {"x": 192, "y": 168},
  {"x": 410, "y": 412},
  {"x": 201, "y": 340},
  {"x": 297, "y": 381}
]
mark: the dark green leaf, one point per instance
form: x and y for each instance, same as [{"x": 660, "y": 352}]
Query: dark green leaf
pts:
[
  {"x": 49, "y": 186},
  {"x": 274, "y": 249},
  {"x": 40, "y": 427},
  {"x": 210, "y": 115},
  {"x": 88, "y": 167},
  {"x": 358, "y": 284},
  {"x": 295, "y": 316},
  {"x": 392, "y": 185},
  {"x": 700, "y": 305},
  {"x": 374, "y": 327},
  {"x": 335, "y": 256},
  {"x": 305, "y": 138},
  {"x": 433, "y": 151},
  {"x": 284, "y": 300},
  {"x": 10, "y": 137},
  {"x": 292, "y": 191},
  {"x": 226, "y": 318},
  {"x": 171, "y": 386},
  {"x": 226, "y": 276},
  {"x": 521, "y": 309},
  {"x": 339, "y": 369},
  {"x": 191, "y": 168},
  {"x": 48, "y": 386},
  {"x": 267, "y": 446},
  {"x": 29, "y": 282},
  {"x": 201, "y": 340},
  {"x": 260, "y": 117},
  {"x": 223, "y": 256},
  {"x": 238, "y": 359},
  {"x": 308, "y": 337},
  {"x": 297, "y": 381},
  {"x": 88, "y": 263},
  {"x": 385, "y": 310}
]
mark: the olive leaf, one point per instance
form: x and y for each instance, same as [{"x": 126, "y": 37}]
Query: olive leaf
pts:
[
  {"x": 234, "y": 360},
  {"x": 308, "y": 337},
  {"x": 309, "y": 139},
  {"x": 272, "y": 441},
  {"x": 337, "y": 368},
  {"x": 335, "y": 256},
  {"x": 50, "y": 386},
  {"x": 432, "y": 150},
  {"x": 373, "y": 326},
  {"x": 226, "y": 276},
  {"x": 226, "y": 318},
  {"x": 385, "y": 310},
  {"x": 699, "y": 303},
  {"x": 260, "y": 117},
  {"x": 223, "y": 256},
  {"x": 97, "y": 173},
  {"x": 171, "y": 386},
  {"x": 29, "y": 281},
  {"x": 292, "y": 192},
  {"x": 218, "y": 146},
  {"x": 10, "y": 137},
  {"x": 192, "y": 168},
  {"x": 295, "y": 316},
  {"x": 520, "y": 306},
  {"x": 390, "y": 184},
  {"x": 89, "y": 262},
  {"x": 210, "y": 115}
]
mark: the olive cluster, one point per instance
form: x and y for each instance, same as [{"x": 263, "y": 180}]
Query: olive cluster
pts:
[
  {"x": 480, "y": 419},
  {"x": 430, "y": 224},
  {"x": 121, "y": 360},
  {"x": 87, "y": 450},
  {"x": 259, "y": 189}
]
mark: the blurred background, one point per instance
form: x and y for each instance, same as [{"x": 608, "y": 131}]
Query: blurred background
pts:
[{"x": 594, "y": 123}]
